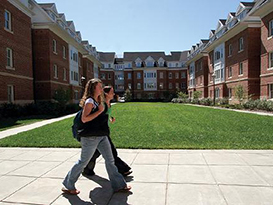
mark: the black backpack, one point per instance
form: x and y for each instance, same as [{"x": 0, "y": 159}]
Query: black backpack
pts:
[{"x": 77, "y": 125}]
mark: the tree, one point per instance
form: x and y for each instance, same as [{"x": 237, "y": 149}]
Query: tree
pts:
[
  {"x": 240, "y": 93},
  {"x": 197, "y": 94},
  {"x": 128, "y": 95},
  {"x": 62, "y": 96}
]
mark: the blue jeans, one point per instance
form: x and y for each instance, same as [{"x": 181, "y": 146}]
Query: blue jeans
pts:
[{"x": 89, "y": 146}]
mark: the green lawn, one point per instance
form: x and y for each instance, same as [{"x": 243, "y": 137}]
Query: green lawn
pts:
[
  {"x": 12, "y": 122},
  {"x": 164, "y": 126}
]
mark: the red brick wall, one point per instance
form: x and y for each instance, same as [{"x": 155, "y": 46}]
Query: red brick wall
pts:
[
  {"x": 45, "y": 59},
  {"x": 127, "y": 81},
  {"x": 266, "y": 47},
  {"x": 19, "y": 40},
  {"x": 107, "y": 80}
]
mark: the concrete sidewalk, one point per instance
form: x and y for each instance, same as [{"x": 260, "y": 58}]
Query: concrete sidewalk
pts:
[
  {"x": 160, "y": 177},
  {"x": 16, "y": 130}
]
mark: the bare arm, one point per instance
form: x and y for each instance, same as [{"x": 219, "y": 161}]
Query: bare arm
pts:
[{"x": 86, "y": 116}]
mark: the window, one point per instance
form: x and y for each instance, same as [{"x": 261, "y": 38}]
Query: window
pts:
[
  {"x": 183, "y": 86},
  {"x": 7, "y": 20},
  {"x": 138, "y": 86},
  {"x": 129, "y": 86},
  {"x": 10, "y": 93},
  {"x": 230, "y": 50},
  {"x": 270, "y": 89},
  {"x": 241, "y": 44},
  {"x": 170, "y": 75},
  {"x": 103, "y": 76},
  {"x": 161, "y": 75},
  {"x": 129, "y": 75},
  {"x": 230, "y": 93},
  {"x": 217, "y": 93},
  {"x": 138, "y": 64},
  {"x": 9, "y": 58},
  {"x": 161, "y": 86},
  {"x": 150, "y": 64},
  {"x": 109, "y": 76},
  {"x": 176, "y": 75},
  {"x": 109, "y": 65},
  {"x": 76, "y": 94},
  {"x": 64, "y": 52},
  {"x": 64, "y": 74},
  {"x": 176, "y": 65},
  {"x": 129, "y": 65},
  {"x": 230, "y": 72},
  {"x": 241, "y": 69},
  {"x": 183, "y": 75},
  {"x": 270, "y": 28},
  {"x": 270, "y": 60},
  {"x": 138, "y": 75},
  {"x": 170, "y": 86},
  {"x": 55, "y": 69},
  {"x": 161, "y": 64},
  {"x": 177, "y": 85},
  {"x": 217, "y": 55},
  {"x": 54, "y": 46},
  {"x": 201, "y": 80}
]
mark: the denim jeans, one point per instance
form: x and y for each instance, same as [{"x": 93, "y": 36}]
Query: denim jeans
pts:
[{"x": 89, "y": 146}]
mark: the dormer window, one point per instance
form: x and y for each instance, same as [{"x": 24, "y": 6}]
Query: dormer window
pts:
[
  {"x": 150, "y": 64},
  {"x": 138, "y": 64}
]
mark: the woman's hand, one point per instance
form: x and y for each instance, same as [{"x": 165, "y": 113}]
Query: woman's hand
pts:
[{"x": 112, "y": 119}]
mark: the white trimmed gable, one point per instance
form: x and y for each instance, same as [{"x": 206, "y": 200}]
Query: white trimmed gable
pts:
[
  {"x": 240, "y": 8},
  {"x": 211, "y": 34},
  {"x": 219, "y": 26},
  {"x": 161, "y": 62}
]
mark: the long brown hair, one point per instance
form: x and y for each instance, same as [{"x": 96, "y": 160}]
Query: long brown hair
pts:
[{"x": 89, "y": 91}]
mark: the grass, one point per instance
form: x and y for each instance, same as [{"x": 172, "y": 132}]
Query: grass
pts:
[
  {"x": 17, "y": 122},
  {"x": 164, "y": 126}
]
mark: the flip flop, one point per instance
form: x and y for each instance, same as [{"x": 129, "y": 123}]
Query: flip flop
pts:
[
  {"x": 125, "y": 189},
  {"x": 70, "y": 192}
]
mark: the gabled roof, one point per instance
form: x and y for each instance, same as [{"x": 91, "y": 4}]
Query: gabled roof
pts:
[
  {"x": 132, "y": 56},
  {"x": 49, "y": 6},
  {"x": 118, "y": 60},
  {"x": 183, "y": 56},
  {"x": 71, "y": 25},
  {"x": 212, "y": 32},
  {"x": 244, "y": 5},
  {"x": 107, "y": 56},
  {"x": 230, "y": 16}
]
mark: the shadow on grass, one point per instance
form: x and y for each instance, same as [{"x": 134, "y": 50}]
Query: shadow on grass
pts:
[{"x": 6, "y": 123}]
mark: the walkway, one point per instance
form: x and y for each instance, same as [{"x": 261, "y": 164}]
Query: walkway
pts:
[{"x": 160, "y": 177}]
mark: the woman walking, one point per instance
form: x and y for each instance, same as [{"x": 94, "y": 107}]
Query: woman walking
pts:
[
  {"x": 123, "y": 168},
  {"x": 94, "y": 136}
]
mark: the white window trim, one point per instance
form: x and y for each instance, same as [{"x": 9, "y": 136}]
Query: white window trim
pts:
[
  {"x": 10, "y": 22},
  {"x": 241, "y": 74},
  {"x": 54, "y": 46},
  {"x": 64, "y": 73},
  {"x": 64, "y": 52},
  {"x": 241, "y": 50},
  {"x": 55, "y": 69},
  {"x": 270, "y": 67},
  {"x": 12, "y": 94},
  {"x": 10, "y": 67}
]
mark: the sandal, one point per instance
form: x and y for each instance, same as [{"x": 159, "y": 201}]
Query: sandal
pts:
[
  {"x": 127, "y": 173},
  {"x": 125, "y": 189},
  {"x": 70, "y": 192}
]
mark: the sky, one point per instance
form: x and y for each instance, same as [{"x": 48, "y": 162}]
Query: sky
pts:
[{"x": 144, "y": 25}]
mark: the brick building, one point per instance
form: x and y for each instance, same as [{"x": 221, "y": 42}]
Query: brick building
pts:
[
  {"x": 61, "y": 59},
  {"x": 148, "y": 75},
  {"x": 265, "y": 12},
  {"x": 16, "y": 75},
  {"x": 232, "y": 55}
]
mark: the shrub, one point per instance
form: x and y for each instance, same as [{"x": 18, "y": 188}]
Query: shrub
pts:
[
  {"x": 206, "y": 101},
  {"x": 128, "y": 95}
]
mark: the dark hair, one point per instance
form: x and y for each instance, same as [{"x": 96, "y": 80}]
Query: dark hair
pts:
[
  {"x": 107, "y": 89},
  {"x": 89, "y": 91}
]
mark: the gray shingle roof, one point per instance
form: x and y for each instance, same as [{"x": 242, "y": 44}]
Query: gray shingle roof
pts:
[
  {"x": 107, "y": 57},
  {"x": 132, "y": 56}
]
